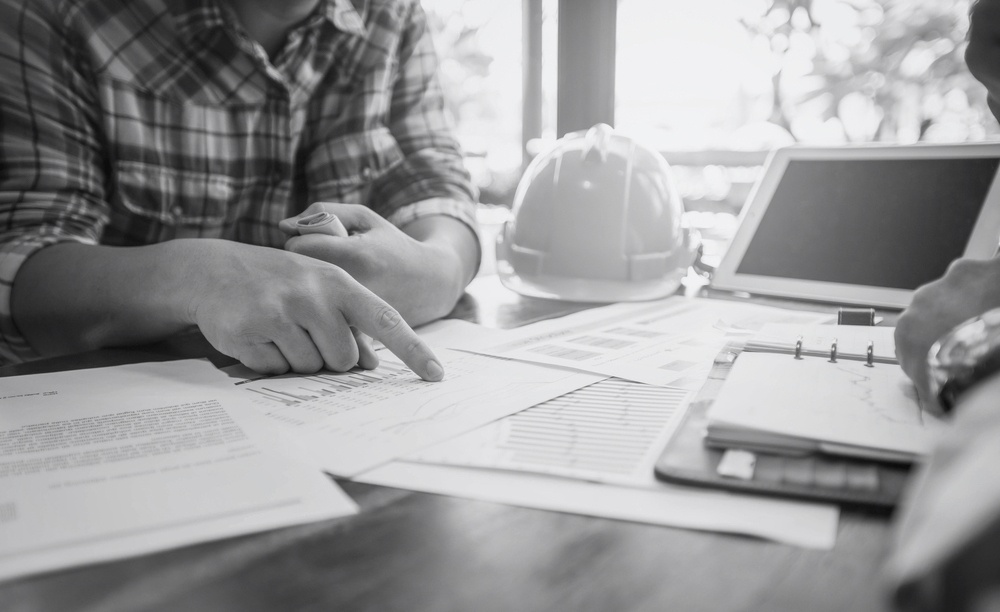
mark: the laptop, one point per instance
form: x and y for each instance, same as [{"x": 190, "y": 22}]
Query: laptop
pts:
[{"x": 863, "y": 225}]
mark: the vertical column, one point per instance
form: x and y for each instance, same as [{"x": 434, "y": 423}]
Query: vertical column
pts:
[
  {"x": 586, "y": 81},
  {"x": 531, "y": 73}
]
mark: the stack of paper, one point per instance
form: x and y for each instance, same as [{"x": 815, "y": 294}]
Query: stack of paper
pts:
[{"x": 103, "y": 464}]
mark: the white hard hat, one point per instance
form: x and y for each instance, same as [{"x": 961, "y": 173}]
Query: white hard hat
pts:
[{"x": 596, "y": 219}]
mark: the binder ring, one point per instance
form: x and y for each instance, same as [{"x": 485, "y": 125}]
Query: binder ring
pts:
[
  {"x": 833, "y": 351},
  {"x": 871, "y": 354},
  {"x": 798, "y": 348}
]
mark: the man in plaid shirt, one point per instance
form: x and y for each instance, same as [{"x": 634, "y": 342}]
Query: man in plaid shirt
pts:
[{"x": 154, "y": 155}]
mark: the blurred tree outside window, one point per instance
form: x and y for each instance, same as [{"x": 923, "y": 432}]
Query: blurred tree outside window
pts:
[
  {"x": 479, "y": 45},
  {"x": 744, "y": 75}
]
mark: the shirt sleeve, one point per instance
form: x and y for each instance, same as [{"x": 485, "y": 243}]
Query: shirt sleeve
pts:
[
  {"x": 51, "y": 168},
  {"x": 432, "y": 178}
]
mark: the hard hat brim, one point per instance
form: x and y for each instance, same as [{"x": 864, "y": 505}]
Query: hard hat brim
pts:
[{"x": 589, "y": 290}]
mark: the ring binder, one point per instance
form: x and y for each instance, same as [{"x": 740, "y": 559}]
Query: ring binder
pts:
[{"x": 834, "y": 343}]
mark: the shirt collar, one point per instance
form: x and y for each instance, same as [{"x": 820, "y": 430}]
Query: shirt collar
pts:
[
  {"x": 192, "y": 17},
  {"x": 348, "y": 15}
]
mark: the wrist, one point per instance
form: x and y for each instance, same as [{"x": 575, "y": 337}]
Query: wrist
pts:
[
  {"x": 456, "y": 240},
  {"x": 187, "y": 275}
]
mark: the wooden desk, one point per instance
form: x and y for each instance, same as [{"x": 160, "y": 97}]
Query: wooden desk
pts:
[{"x": 415, "y": 551}]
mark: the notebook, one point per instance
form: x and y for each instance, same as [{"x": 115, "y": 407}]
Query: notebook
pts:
[
  {"x": 687, "y": 460},
  {"x": 852, "y": 224},
  {"x": 835, "y": 390}
]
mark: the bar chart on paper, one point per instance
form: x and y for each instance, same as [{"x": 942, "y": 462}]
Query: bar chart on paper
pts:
[
  {"x": 610, "y": 431},
  {"x": 307, "y": 388}
]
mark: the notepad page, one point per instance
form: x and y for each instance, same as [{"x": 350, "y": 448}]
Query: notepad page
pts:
[
  {"x": 852, "y": 340},
  {"x": 846, "y": 402}
]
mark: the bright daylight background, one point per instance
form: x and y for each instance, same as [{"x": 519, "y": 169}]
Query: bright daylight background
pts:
[{"x": 742, "y": 75}]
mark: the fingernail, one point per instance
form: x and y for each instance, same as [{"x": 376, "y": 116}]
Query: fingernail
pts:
[{"x": 434, "y": 370}]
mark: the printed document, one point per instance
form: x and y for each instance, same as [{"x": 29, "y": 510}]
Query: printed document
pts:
[
  {"x": 114, "y": 462},
  {"x": 351, "y": 422},
  {"x": 671, "y": 342},
  {"x": 611, "y": 431}
]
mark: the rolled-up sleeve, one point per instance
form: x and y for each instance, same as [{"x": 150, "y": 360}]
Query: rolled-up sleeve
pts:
[
  {"x": 51, "y": 168},
  {"x": 432, "y": 178}
]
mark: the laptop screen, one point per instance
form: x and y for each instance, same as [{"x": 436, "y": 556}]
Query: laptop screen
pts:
[{"x": 890, "y": 223}]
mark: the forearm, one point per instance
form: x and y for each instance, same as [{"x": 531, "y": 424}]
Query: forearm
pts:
[{"x": 71, "y": 297}]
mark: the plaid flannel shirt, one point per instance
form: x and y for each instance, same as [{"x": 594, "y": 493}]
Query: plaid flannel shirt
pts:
[{"x": 130, "y": 122}]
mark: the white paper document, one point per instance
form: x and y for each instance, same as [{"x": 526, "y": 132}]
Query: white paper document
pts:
[
  {"x": 108, "y": 463},
  {"x": 352, "y": 422},
  {"x": 611, "y": 431},
  {"x": 789, "y": 522},
  {"x": 670, "y": 342}
]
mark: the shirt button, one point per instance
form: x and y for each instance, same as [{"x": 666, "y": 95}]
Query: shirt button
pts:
[
  {"x": 219, "y": 191},
  {"x": 366, "y": 173},
  {"x": 177, "y": 212}
]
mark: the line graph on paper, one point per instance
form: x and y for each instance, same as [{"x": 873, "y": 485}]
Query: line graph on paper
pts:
[
  {"x": 885, "y": 399},
  {"x": 610, "y": 431}
]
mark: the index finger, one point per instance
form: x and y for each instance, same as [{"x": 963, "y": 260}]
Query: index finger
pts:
[{"x": 370, "y": 314}]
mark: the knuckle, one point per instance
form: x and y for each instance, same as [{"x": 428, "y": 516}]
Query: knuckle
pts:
[
  {"x": 263, "y": 363},
  {"x": 344, "y": 360},
  {"x": 413, "y": 347},
  {"x": 961, "y": 268},
  {"x": 388, "y": 319}
]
